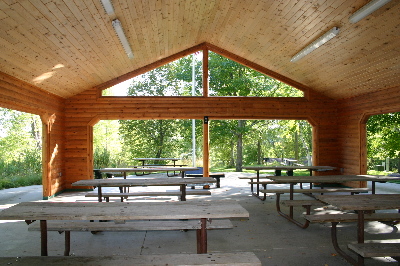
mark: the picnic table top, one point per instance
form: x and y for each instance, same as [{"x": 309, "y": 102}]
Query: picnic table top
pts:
[
  {"x": 363, "y": 202},
  {"x": 157, "y": 159},
  {"x": 289, "y": 167},
  {"x": 333, "y": 178},
  {"x": 119, "y": 182},
  {"x": 121, "y": 211},
  {"x": 210, "y": 174},
  {"x": 148, "y": 169}
]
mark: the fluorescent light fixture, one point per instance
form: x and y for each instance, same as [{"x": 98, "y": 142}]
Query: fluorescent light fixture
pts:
[
  {"x": 367, "y": 10},
  {"x": 122, "y": 38},
  {"x": 317, "y": 43},
  {"x": 108, "y": 7}
]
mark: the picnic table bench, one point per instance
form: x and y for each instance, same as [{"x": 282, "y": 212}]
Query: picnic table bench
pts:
[
  {"x": 135, "y": 182},
  {"x": 306, "y": 204},
  {"x": 108, "y": 195},
  {"x": 364, "y": 249},
  {"x": 153, "y": 225},
  {"x": 364, "y": 206},
  {"x": 210, "y": 259},
  {"x": 216, "y": 176},
  {"x": 121, "y": 212}
]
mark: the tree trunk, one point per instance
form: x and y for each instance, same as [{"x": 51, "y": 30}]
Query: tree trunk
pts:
[
  {"x": 239, "y": 145},
  {"x": 259, "y": 156}
]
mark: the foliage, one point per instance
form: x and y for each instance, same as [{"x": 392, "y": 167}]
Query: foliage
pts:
[
  {"x": 173, "y": 79},
  {"x": 229, "y": 78},
  {"x": 232, "y": 142},
  {"x": 21, "y": 146},
  {"x": 383, "y": 133}
]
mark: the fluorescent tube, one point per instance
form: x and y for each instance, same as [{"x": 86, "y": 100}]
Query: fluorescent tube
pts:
[
  {"x": 122, "y": 38},
  {"x": 108, "y": 7},
  {"x": 317, "y": 43},
  {"x": 367, "y": 10}
]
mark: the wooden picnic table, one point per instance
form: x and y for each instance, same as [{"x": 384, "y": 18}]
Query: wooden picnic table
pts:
[
  {"x": 289, "y": 171},
  {"x": 362, "y": 204},
  {"x": 292, "y": 180},
  {"x": 126, "y": 170},
  {"x": 143, "y": 160},
  {"x": 119, "y": 212},
  {"x": 135, "y": 182},
  {"x": 335, "y": 179},
  {"x": 217, "y": 176}
]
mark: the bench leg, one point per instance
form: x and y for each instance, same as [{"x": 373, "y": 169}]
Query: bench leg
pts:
[
  {"x": 67, "y": 246},
  {"x": 290, "y": 217}
]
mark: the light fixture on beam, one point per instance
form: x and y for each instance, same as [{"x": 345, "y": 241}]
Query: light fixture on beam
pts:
[
  {"x": 122, "y": 38},
  {"x": 317, "y": 43},
  {"x": 108, "y": 7},
  {"x": 366, "y": 10}
]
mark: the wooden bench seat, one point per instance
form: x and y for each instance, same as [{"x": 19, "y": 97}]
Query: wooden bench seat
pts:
[
  {"x": 153, "y": 225},
  {"x": 108, "y": 195},
  {"x": 369, "y": 250},
  {"x": 316, "y": 190},
  {"x": 297, "y": 203},
  {"x": 130, "y": 226},
  {"x": 239, "y": 258},
  {"x": 351, "y": 217},
  {"x": 254, "y": 177}
]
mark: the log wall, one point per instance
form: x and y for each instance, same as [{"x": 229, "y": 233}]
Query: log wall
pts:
[
  {"x": 85, "y": 110},
  {"x": 18, "y": 95},
  {"x": 352, "y": 118}
]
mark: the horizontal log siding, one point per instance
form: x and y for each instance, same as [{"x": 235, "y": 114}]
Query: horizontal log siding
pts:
[
  {"x": 352, "y": 116},
  {"x": 18, "y": 95},
  {"x": 84, "y": 110}
]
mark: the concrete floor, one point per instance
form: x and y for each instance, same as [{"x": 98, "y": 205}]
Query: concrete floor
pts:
[{"x": 272, "y": 238}]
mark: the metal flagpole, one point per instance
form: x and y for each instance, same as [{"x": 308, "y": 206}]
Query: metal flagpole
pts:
[{"x": 193, "y": 120}]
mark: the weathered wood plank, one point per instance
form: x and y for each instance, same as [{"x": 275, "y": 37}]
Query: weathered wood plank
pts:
[{"x": 210, "y": 259}]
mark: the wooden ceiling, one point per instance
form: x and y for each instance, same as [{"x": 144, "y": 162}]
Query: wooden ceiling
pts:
[{"x": 68, "y": 46}]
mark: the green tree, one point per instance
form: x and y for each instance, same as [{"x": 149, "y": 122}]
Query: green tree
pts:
[
  {"x": 383, "y": 133},
  {"x": 155, "y": 138}
]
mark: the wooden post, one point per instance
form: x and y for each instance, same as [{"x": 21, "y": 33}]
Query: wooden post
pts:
[
  {"x": 206, "y": 148},
  {"x": 205, "y": 73}
]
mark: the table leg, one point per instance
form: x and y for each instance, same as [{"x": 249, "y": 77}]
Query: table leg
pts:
[
  {"x": 183, "y": 191},
  {"x": 218, "y": 182},
  {"x": 360, "y": 234},
  {"x": 99, "y": 193},
  {"x": 67, "y": 243},
  {"x": 258, "y": 180},
  {"x": 202, "y": 237},
  {"x": 43, "y": 237},
  {"x": 291, "y": 198}
]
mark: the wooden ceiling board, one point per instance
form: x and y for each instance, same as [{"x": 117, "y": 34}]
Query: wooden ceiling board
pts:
[{"x": 68, "y": 46}]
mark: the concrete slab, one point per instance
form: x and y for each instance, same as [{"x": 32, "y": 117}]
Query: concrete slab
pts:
[{"x": 272, "y": 238}]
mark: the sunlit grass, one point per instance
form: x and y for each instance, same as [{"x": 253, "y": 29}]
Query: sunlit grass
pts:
[{"x": 20, "y": 180}]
